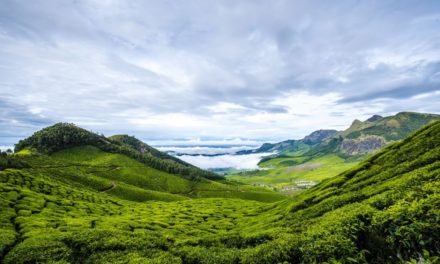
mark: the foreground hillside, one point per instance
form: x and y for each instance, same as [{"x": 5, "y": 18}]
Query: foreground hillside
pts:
[
  {"x": 386, "y": 210},
  {"x": 326, "y": 153}
]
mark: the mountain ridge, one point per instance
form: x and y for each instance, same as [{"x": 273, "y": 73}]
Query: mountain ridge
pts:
[
  {"x": 361, "y": 137},
  {"x": 292, "y": 144}
]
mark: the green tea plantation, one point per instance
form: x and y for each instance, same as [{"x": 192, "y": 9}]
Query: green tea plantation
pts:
[{"x": 90, "y": 199}]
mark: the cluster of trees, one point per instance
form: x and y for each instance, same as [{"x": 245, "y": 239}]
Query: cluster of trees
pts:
[
  {"x": 60, "y": 136},
  {"x": 8, "y": 160},
  {"x": 64, "y": 135},
  {"x": 6, "y": 152}
]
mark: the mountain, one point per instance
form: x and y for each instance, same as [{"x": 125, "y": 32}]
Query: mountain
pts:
[
  {"x": 385, "y": 210},
  {"x": 374, "y": 118},
  {"x": 318, "y": 136},
  {"x": 360, "y": 138},
  {"x": 376, "y": 132},
  {"x": 294, "y": 145}
]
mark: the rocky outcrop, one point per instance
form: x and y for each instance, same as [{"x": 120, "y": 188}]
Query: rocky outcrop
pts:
[{"x": 362, "y": 145}]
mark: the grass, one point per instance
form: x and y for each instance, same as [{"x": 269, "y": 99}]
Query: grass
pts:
[
  {"x": 123, "y": 169},
  {"x": 285, "y": 171},
  {"x": 24, "y": 152},
  {"x": 383, "y": 210}
]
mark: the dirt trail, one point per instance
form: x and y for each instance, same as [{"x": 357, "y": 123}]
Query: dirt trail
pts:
[{"x": 114, "y": 185}]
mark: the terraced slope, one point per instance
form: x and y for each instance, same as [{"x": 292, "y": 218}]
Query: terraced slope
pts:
[{"x": 386, "y": 210}]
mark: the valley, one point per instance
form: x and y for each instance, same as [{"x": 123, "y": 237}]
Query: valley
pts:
[{"x": 81, "y": 204}]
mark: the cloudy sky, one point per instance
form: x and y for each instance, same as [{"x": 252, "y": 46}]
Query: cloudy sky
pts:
[{"x": 258, "y": 70}]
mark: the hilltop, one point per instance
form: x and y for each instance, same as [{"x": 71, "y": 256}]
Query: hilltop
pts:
[
  {"x": 376, "y": 132},
  {"x": 385, "y": 210}
]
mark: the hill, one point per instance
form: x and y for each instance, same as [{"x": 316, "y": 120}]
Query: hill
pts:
[
  {"x": 333, "y": 154},
  {"x": 383, "y": 211},
  {"x": 62, "y": 135},
  {"x": 122, "y": 166}
]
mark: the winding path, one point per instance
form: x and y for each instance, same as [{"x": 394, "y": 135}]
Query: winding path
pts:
[{"x": 114, "y": 185}]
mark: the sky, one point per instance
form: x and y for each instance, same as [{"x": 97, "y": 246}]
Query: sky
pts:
[{"x": 214, "y": 70}]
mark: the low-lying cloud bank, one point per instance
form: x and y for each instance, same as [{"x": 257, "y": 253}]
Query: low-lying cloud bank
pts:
[
  {"x": 204, "y": 150},
  {"x": 225, "y": 161}
]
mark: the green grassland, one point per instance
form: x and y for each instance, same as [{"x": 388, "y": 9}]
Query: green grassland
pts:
[
  {"x": 285, "y": 171},
  {"x": 384, "y": 210}
]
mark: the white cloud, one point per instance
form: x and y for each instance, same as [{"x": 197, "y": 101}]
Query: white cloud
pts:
[
  {"x": 225, "y": 161},
  {"x": 224, "y": 107}
]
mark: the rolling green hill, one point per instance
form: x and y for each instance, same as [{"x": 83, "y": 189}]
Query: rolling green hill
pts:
[
  {"x": 62, "y": 135},
  {"x": 385, "y": 210},
  {"x": 334, "y": 152},
  {"x": 123, "y": 166}
]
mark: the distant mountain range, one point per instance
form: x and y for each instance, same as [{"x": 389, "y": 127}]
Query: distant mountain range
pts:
[
  {"x": 293, "y": 145},
  {"x": 360, "y": 139}
]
